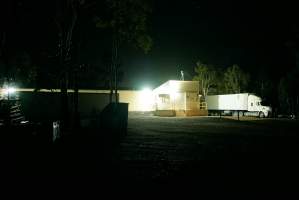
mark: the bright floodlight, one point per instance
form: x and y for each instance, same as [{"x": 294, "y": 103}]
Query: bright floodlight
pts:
[
  {"x": 147, "y": 91},
  {"x": 146, "y": 99},
  {"x": 11, "y": 90}
]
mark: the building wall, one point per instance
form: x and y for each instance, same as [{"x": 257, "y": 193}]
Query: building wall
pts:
[
  {"x": 192, "y": 102},
  {"x": 46, "y": 105},
  {"x": 40, "y": 106},
  {"x": 180, "y": 101},
  {"x": 138, "y": 100},
  {"x": 175, "y": 101},
  {"x": 163, "y": 102},
  {"x": 178, "y": 96}
]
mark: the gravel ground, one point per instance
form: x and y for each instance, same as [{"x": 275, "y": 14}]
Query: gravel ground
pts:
[
  {"x": 165, "y": 149},
  {"x": 161, "y": 148}
]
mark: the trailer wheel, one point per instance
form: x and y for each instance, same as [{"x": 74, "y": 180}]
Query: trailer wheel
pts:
[
  {"x": 269, "y": 115},
  {"x": 242, "y": 113},
  {"x": 261, "y": 115},
  {"x": 235, "y": 114}
]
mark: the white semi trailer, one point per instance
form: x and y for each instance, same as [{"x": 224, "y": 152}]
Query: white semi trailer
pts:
[{"x": 238, "y": 104}]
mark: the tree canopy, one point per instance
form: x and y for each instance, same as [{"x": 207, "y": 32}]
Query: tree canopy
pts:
[
  {"x": 206, "y": 75},
  {"x": 235, "y": 79},
  {"x": 128, "y": 21}
]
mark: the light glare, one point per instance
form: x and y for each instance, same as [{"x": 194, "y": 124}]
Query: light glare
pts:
[
  {"x": 146, "y": 99},
  {"x": 11, "y": 90}
]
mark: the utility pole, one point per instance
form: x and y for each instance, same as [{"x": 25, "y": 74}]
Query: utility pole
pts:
[{"x": 182, "y": 75}]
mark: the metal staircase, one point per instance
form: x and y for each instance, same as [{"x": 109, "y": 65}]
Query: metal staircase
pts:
[{"x": 10, "y": 112}]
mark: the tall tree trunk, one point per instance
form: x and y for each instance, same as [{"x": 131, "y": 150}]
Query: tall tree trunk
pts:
[
  {"x": 114, "y": 66},
  {"x": 111, "y": 83},
  {"x": 64, "y": 102},
  {"x": 76, "y": 100},
  {"x": 115, "y": 69},
  {"x": 66, "y": 28},
  {"x": 115, "y": 85},
  {"x": 2, "y": 42}
]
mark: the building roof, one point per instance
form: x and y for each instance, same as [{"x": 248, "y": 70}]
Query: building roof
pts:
[{"x": 177, "y": 86}]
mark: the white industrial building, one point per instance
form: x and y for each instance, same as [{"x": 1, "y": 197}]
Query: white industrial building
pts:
[
  {"x": 178, "y": 98},
  {"x": 173, "y": 98}
]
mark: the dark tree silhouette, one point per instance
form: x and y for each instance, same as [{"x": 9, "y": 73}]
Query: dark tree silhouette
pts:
[
  {"x": 206, "y": 75},
  {"x": 127, "y": 21},
  {"x": 235, "y": 79},
  {"x": 66, "y": 17}
]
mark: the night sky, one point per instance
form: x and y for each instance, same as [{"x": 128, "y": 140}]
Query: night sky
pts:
[{"x": 251, "y": 34}]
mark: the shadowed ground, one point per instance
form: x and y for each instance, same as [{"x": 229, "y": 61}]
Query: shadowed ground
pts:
[
  {"x": 205, "y": 147},
  {"x": 163, "y": 150}
]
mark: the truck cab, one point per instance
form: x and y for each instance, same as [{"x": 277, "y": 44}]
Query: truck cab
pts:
[{"x": 255, "y": 105}]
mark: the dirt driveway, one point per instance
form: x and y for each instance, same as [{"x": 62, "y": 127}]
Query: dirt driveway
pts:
[
  {"x": 196, "y": 138},
  {"x": 161, "y": 147}
]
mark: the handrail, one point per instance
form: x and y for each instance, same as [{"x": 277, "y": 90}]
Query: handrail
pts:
[{"x": 203, "y": 106}]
